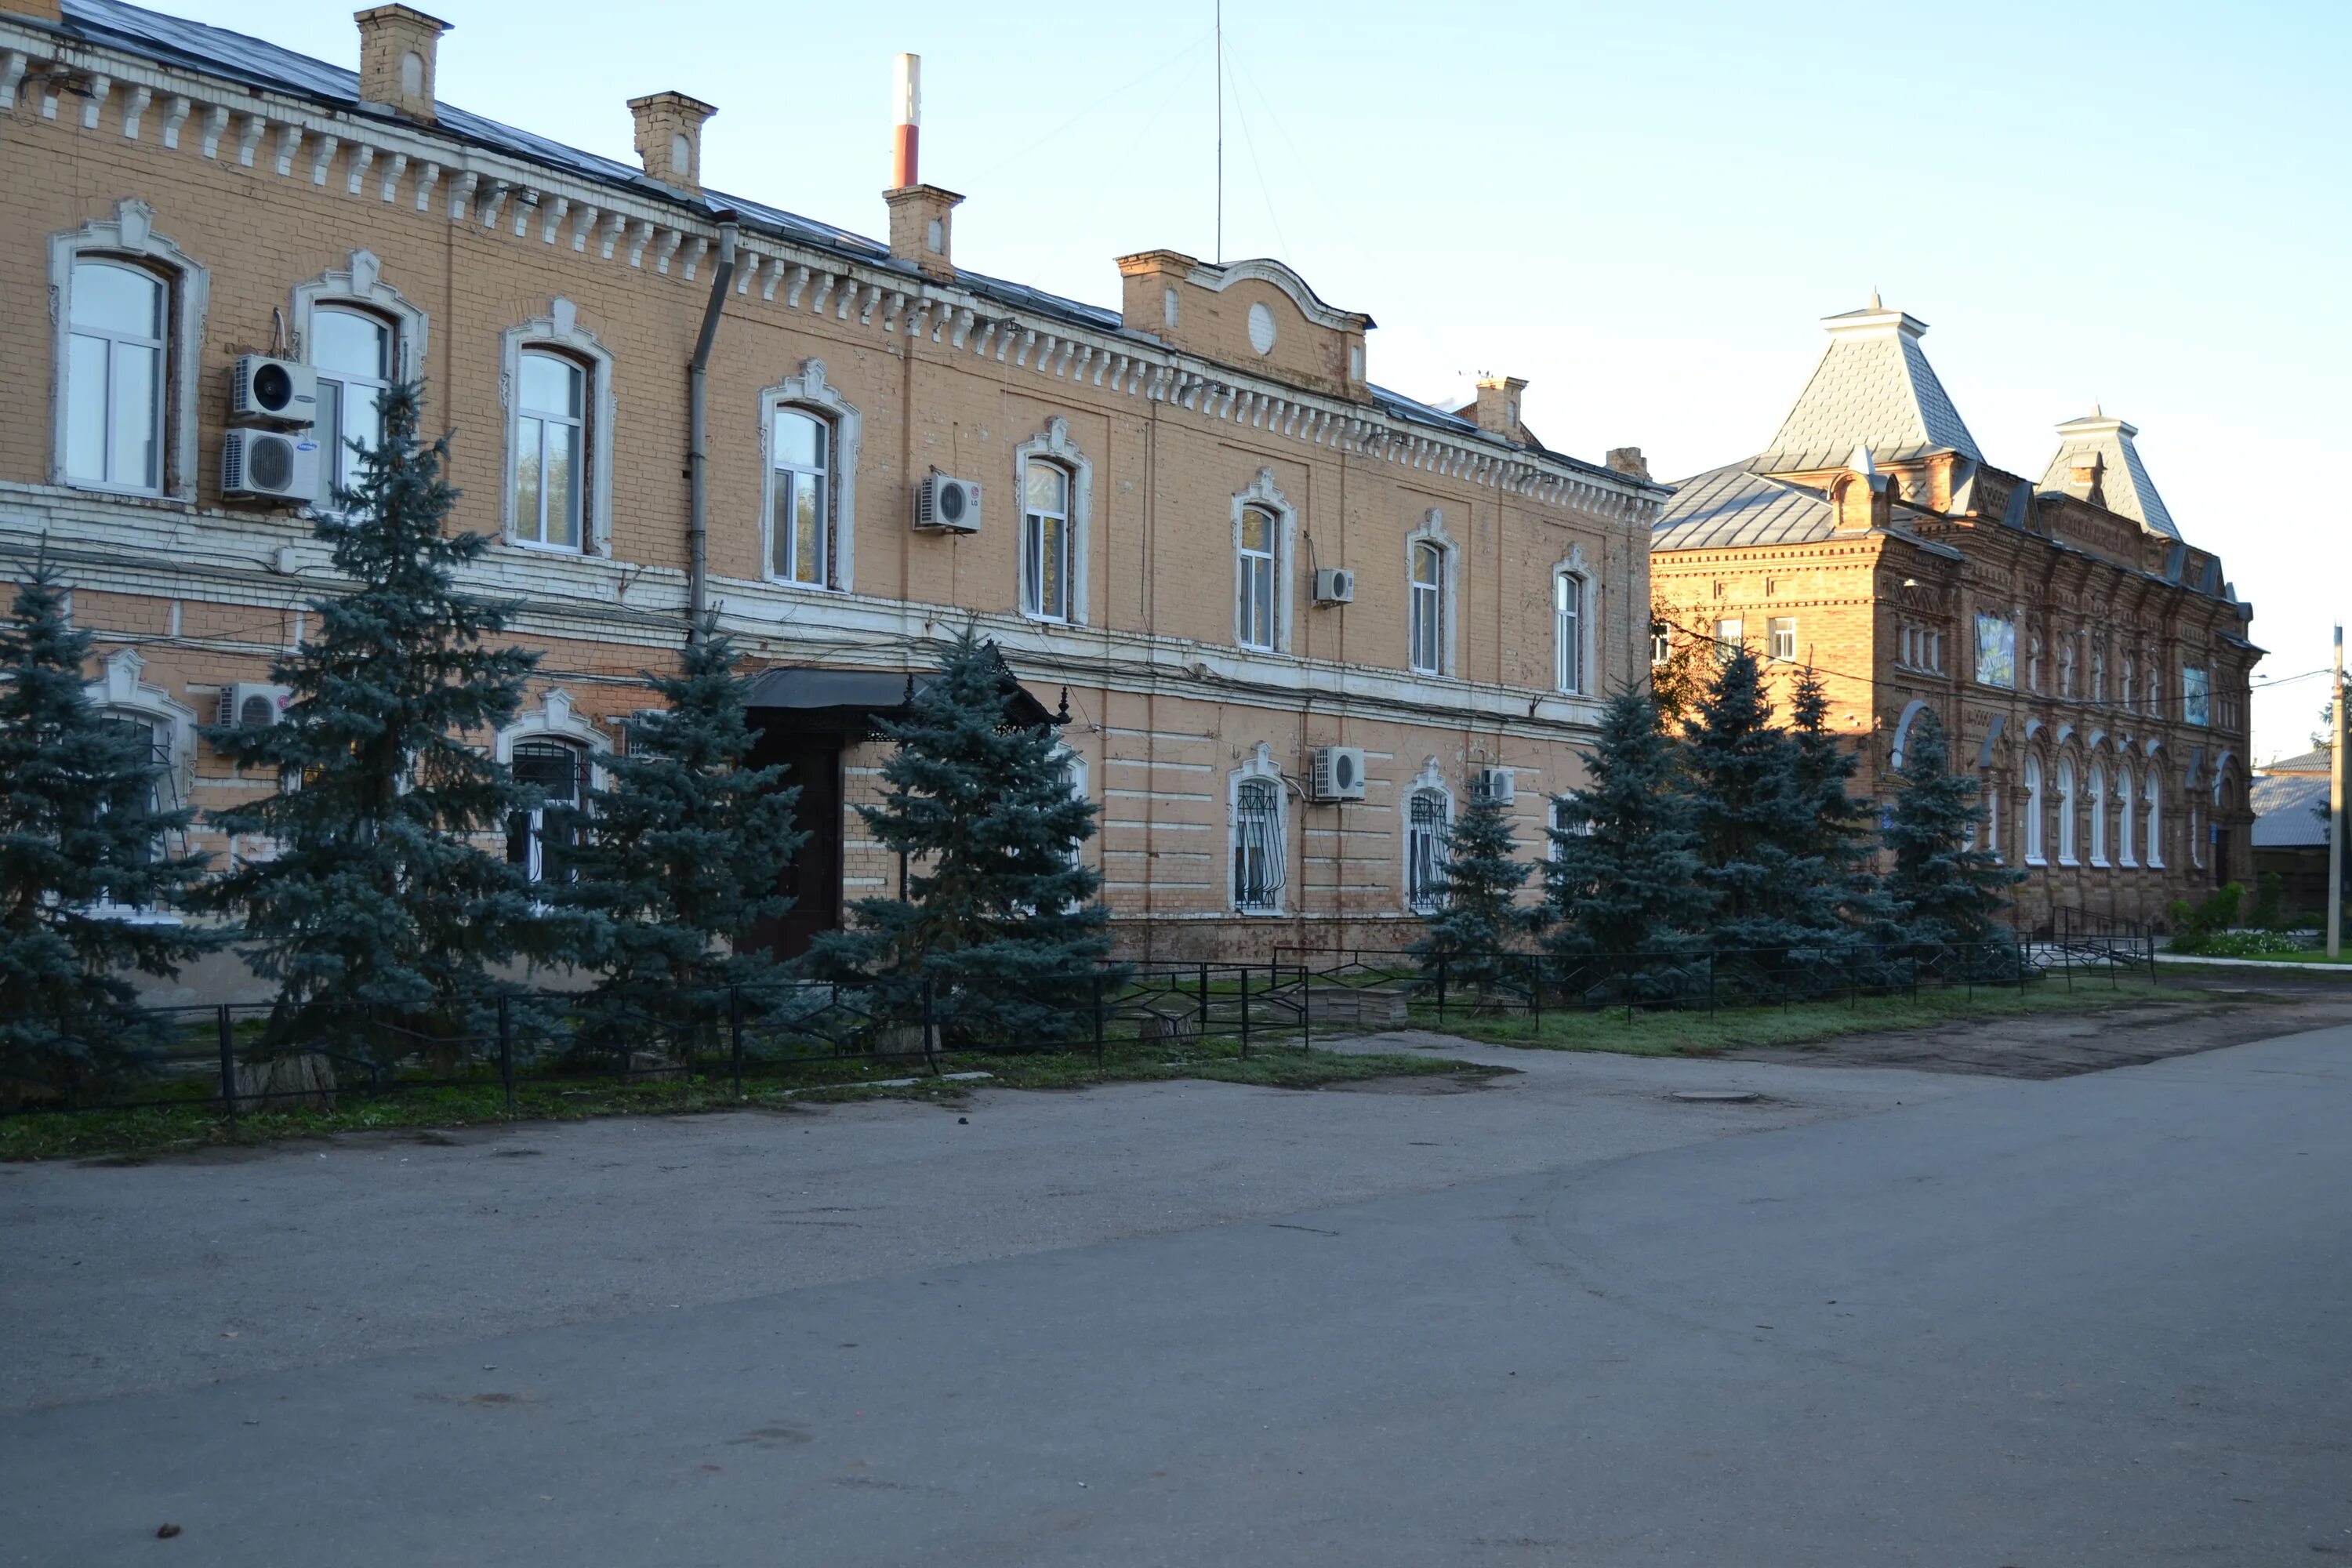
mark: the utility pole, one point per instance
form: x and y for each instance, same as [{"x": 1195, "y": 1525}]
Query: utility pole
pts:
[{"x": 2336, "y": 836}]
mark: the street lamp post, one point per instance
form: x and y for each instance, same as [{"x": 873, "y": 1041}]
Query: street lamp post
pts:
[{"x": 2337, "y": 730}]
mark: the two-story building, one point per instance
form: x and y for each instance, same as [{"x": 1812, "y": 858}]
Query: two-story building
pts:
[
  {"x": 1293, "y": 616},
  {"x": 2089, "y": 665}
]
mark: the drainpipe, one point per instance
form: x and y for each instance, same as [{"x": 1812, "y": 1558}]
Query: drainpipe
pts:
[{"x": 698, "y": 370}]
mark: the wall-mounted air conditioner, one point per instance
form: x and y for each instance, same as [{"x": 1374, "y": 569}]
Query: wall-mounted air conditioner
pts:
[
  {"x": 1495, "y": 783},
  {"x": 1335, "y": 585},
  {"x": 277, "y": 390},
  {"x": 1335, "y": 772},
  {"x": 947, "y": 505},
  {"x": 253, "y": 704},
  {"x": 270, "y": 464}
]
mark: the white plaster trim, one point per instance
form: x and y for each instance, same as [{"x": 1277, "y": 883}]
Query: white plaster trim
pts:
[
  {"x": 1573, "y": 564},
  {"x": 118, "y": 689},
  {"x": 1431, "y": 779},
  {"x": 1054, "y": 443},
  {"x": 1911, "y": 712},
  {"x": 361, "y": 283},
  {"x": 552, "y": 719},
  {"x": 1432, "y": 531},
  {"x": 1218, "y": 278},
  {"x": 809, "y": 390},
  {"x": 1264, "y": 493},
  {"x": 129, "y": 233},
  {"x": 560, "y": 329},
  {"x": 1258, "y": 764}
]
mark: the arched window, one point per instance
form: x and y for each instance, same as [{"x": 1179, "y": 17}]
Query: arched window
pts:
[
  {"x": 1567, "y": 630},
  {"x": 353, "y": 351},
  {"x": 1428, "y": 824},
  {"x": 1046, "y": 541},
  {"x": 556, "y": 774},
  {"x": 2153, "y": 790},
  {"x": 1254, "y": 578},
  {"x": 114, "y": 393},
  {"x": 2067, "y": 808},
  {"x": 1259, "y": 853},
  {"x": 2066, "y": 667},
  {"x": 1425, "y": 615},
  {"x": 2033, "y": 663},
  {"x": 1992, "y": 820},
  {"x": 2036, "y": 812},
  {"x": 552, "y": 434},
  {"x": 2099, "y": 673},
  {"x": 2125, "y": 827},
  {"x": 2098, "y": 799},
  {"x": 800, "y": 497}
]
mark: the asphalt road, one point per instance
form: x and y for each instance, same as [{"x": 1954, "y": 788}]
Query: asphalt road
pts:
[{"x": 2097, "y": 1321}]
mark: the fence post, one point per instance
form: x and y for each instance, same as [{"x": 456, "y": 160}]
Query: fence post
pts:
[
  {"x": 735, "y": 1035},
  {"x": 931, "y": 1053},
  {"x": 1535, "y": 993},
  {"x": 1098, "y": 1019},
  {"x": 1441, "y": 988},
  {"x": 1245, "y": 1012},
  {"x": 505, "y": 1050},
  {"x": 227, "y": 1062}
]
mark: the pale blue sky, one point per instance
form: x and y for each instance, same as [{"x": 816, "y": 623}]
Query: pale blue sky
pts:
[{"x": 1642, "y": 209}]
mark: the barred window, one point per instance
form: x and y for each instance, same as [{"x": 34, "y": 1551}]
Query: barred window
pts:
[
  {"x": 556, "y": 774},
  {"x": 1258, "y": 855},
  {"x": 1427, "y": 825}
]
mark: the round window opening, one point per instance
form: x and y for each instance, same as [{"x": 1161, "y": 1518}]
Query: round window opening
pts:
[{"x": 1261, "y": 328}]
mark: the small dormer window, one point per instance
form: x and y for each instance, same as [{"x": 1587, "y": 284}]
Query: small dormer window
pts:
[{"x": 1261, "y": 328}]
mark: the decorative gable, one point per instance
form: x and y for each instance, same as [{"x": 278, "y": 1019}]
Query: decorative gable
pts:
[{"x": 1254, "y": 315}]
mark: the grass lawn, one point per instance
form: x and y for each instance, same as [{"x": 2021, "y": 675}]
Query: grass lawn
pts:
[
  {"x": 1698, "y": 1034},
  {"x": 177, "y": 1129}
]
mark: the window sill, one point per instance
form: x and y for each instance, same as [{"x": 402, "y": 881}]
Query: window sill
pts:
[
  {"x": 2037, "y": 860},
  {"x": 131, "y": 915},
  {"x": 538, "y": 547},
  {"x": 2070, "y": 864},
  {"x": 128, "y": 493},
  {"x": 796, "y": 585}
]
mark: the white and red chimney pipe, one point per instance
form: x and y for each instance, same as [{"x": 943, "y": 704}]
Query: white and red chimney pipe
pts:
[{"x": 907, "y": 95}]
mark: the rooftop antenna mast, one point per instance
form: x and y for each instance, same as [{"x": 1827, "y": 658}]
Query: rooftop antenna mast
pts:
[{"x": 1220, "y": 133}]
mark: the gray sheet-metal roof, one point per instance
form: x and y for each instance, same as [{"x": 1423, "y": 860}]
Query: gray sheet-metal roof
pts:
[
  {"x": 2316, "y": 760},
  {"x": 2124, "y": 485},
  {"x": 2289, "y": 810},
  {"x": 1735, "y": 506},
  {"x": 1873, "y": 388}
]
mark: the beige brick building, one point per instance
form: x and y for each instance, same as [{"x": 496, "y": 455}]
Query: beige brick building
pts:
[
  {"x": 1195, "y": 513},
  {"x": 2088, "y": 664}
]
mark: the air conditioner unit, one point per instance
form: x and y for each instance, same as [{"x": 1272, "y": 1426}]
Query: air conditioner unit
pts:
[
  {"x": 277, "y": 390},
  {"x": 1495, "y": 783},
  {"x": 253, "y": 705},
  {"x": 1335, "y": 585},
  {"x": 1335, "y": 772},
  {"x": 945, "y": 505},
  {"x": 269, "y": 463}
]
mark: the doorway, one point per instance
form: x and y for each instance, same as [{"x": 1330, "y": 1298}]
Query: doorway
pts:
[{"x": 813, "y": 879}]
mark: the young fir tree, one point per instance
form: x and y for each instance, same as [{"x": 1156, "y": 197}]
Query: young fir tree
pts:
[
  {"x": 1773, "y": 899},
  {"x": 680, "y": 857},
  {"x": 1479, "y": 919},
  {"x": 1623, "y": 874},
  {"x": 1000, "y": 921},
  {"x": 80, "y": 840},
  {"x": 376, "y": 894},
  {"x": 1835, "y": 825},
  {"x": 1945, "y": 893}
]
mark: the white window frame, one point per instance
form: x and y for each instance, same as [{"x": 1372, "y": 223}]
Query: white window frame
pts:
[
  {"x": 2037, "y": 819},
  {"x": 560, "y": 331},
  {"x": 1571, "y": 631},
  {"x": 187, "y": 287},
  {"x": 1425, "y": 788},
  {"x": 810, "y": 393},
  {"x": 2125, "y": 829},
  {"x": 1263, "y": 494},
  {"x": 1419, "y": 602},
  {"x": 1727, "y": 646},
  {"x": 1054, "y": 445},
  {"x": 1258, "y": 773},
  {"x": 359, "y": 286},
  {"x": 554, "y": 720},
  {"x": 119, "y": 692},
  {"x": 2095, "y": 792},
  {"x": 2153, "y": 833},
  {"x": 1776, "y": 629},
  {"x": 2068, "y": 810}
]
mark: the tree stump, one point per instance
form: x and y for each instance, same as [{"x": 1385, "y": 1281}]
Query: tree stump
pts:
[
  {"x": 1170, "y": 1025},
  {"x": 302, "y": 1083}
]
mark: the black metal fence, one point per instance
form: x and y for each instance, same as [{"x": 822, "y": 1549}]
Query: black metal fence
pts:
[{"x": 241, "y": 1057}]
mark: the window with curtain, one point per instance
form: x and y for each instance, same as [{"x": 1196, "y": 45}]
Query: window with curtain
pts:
[
  {"x": 1781, "y": 639},
  {"x": 1729, "y": 635},
  {"x": 352, "y": 353},
  {"x": 800, "y": 497},
  {"x": 555, "y": 775},
  {"x": 1046, "y": 541},
  {"x": 551, "y": 437},
  {"x": 119, "y": 318},
  {"x": 1425, "y": 612},
  {"x": 1427, "y": 825},
  {"x": 1258, "y": 854},
  {"x": 1568, "y": 629},
  {"x": 1254, "y": 579}
]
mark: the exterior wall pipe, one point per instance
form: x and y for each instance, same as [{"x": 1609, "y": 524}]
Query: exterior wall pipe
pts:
[{"x": 698, "y": 375}]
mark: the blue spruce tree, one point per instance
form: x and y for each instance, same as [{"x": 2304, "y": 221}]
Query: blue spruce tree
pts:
[
  {"x": 1945, "y": 893},
  {"x": 81, "y": 842},
  {"x": 1001, "y": 923},
  {"x": 376, "y": 898},
  {"x": 1479, "y": 920}
]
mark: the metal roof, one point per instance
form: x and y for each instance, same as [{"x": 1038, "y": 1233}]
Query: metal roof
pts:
[
  {"x": 1735, "y": 506},
  {"x": 2124, "y": 485},
  {"x": 1873, "y": 388},
  {"x": 2289, "y": 810}
]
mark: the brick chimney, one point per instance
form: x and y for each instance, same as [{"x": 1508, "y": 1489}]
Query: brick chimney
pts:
[
  {"x": 923, "y": 225},
  {"x": 396, "y": 50},
  {"x": 1498, "y": 410},
  {"x": 1629, "y": 461},
  {"x": 2085, "y": 477},
  {"x": 1862, "y": 496},
  {"x": 669, "y": 137}
]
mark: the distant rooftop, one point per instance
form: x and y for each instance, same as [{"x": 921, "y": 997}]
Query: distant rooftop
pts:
[{"x": 2124, "y": 486}]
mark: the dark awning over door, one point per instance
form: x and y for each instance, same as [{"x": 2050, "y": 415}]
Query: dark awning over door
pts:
[{"x": 850, "y": 700}]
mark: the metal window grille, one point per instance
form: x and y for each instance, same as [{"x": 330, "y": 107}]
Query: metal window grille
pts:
[
  {"x": 1427, "y": 828},
  {"x": 1258, "y": 855}
]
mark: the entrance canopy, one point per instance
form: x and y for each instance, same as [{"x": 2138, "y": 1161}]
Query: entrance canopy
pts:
[{"x": 849, "y": 700}]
